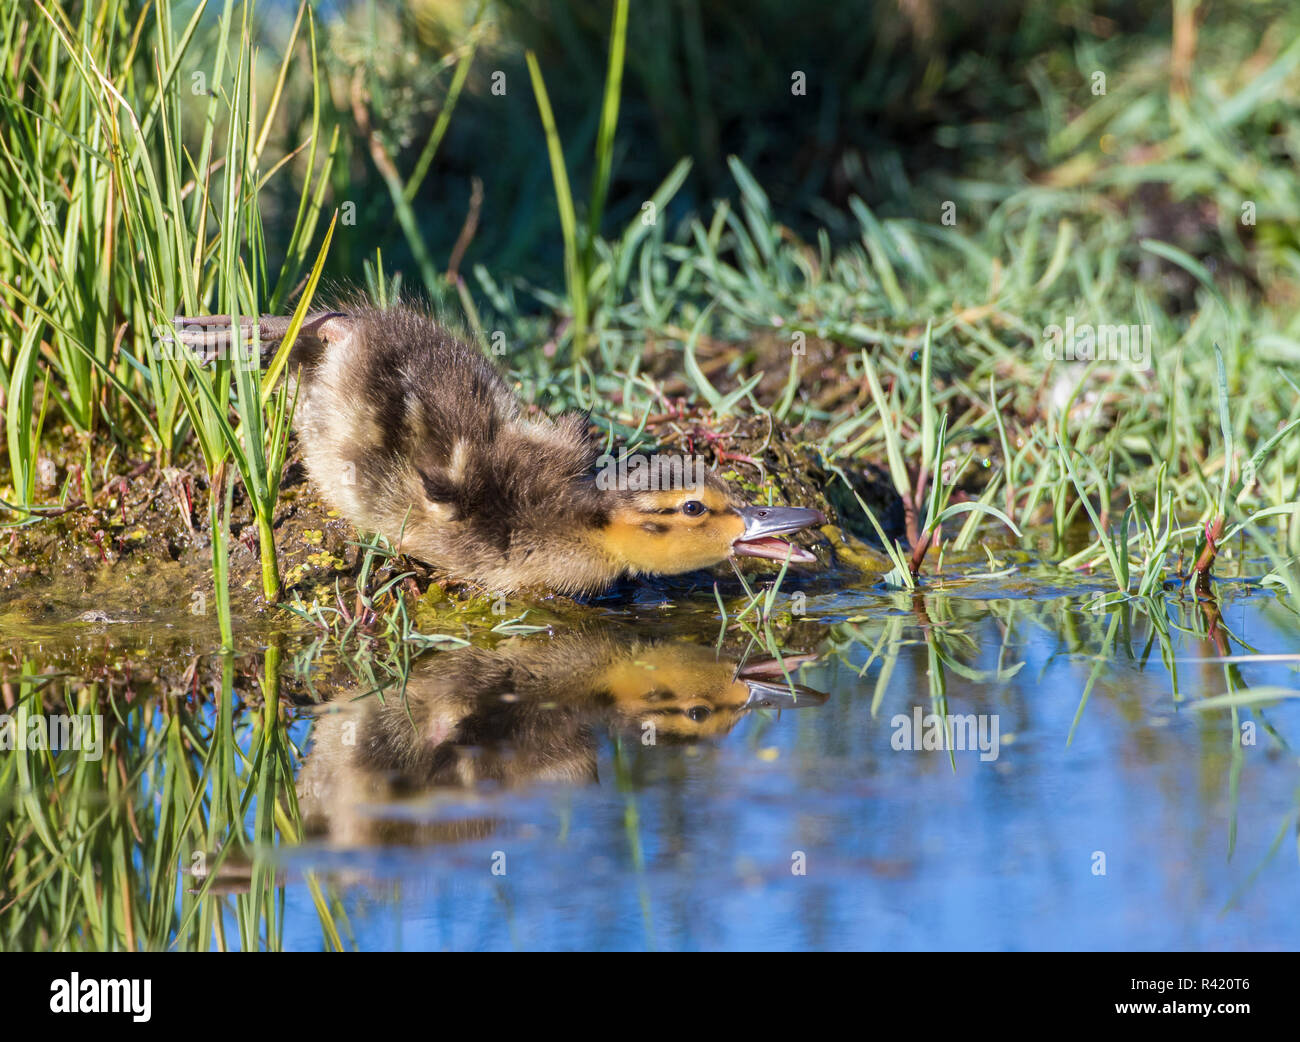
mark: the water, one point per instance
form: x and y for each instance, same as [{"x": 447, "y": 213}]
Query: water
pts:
[{"x": 612, "y": 785}]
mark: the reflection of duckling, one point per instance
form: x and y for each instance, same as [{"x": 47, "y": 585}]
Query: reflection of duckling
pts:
[
  {"x": 413, "y": 434},
  {"x": 524, "y": 713}
]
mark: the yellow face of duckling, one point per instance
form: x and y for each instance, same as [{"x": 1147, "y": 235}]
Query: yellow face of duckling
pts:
[
  {"x": 672, "y": 530},
  {"x": 669, "y": 531}
]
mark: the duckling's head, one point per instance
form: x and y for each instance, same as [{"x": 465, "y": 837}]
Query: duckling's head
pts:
[{"x": 695, "y": 524}]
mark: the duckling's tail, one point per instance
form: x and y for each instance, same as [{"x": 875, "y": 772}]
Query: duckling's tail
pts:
[{"x": 209, "y": 336}]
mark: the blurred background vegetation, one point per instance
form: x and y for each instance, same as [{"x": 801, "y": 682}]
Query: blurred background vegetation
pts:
[{"x": 908, "y": 104}]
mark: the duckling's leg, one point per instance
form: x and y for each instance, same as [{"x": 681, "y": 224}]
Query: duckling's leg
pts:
[{"x": 208, "y": 336}]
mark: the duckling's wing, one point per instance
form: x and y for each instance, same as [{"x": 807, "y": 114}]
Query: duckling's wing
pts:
[{"x": 209, "y": 336}]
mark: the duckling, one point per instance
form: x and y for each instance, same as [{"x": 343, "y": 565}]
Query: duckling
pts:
[
  {"x": 524, "y": 713},
  {"x": 414, "y": 434}
]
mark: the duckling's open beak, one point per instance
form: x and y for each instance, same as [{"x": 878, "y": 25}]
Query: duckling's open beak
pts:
[
  {"x": 764, "y": 524},
  {"x": 768, "y": 688}
]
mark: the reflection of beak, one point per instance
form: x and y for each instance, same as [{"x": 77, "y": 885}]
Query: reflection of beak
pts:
[
  {"x": 768, "y": 688},
  {"x": 764, "y": 524}
]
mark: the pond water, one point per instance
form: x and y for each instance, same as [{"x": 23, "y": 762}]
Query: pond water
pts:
[{"x": 624, "y": 784}]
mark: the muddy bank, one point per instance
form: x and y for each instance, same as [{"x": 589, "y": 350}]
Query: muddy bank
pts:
[{"x": 141, "y": 550}]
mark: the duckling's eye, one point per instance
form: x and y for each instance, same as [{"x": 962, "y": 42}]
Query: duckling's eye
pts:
[
  {"x": 694, "y": 508},
  {"x": 698, "y": 714}
]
